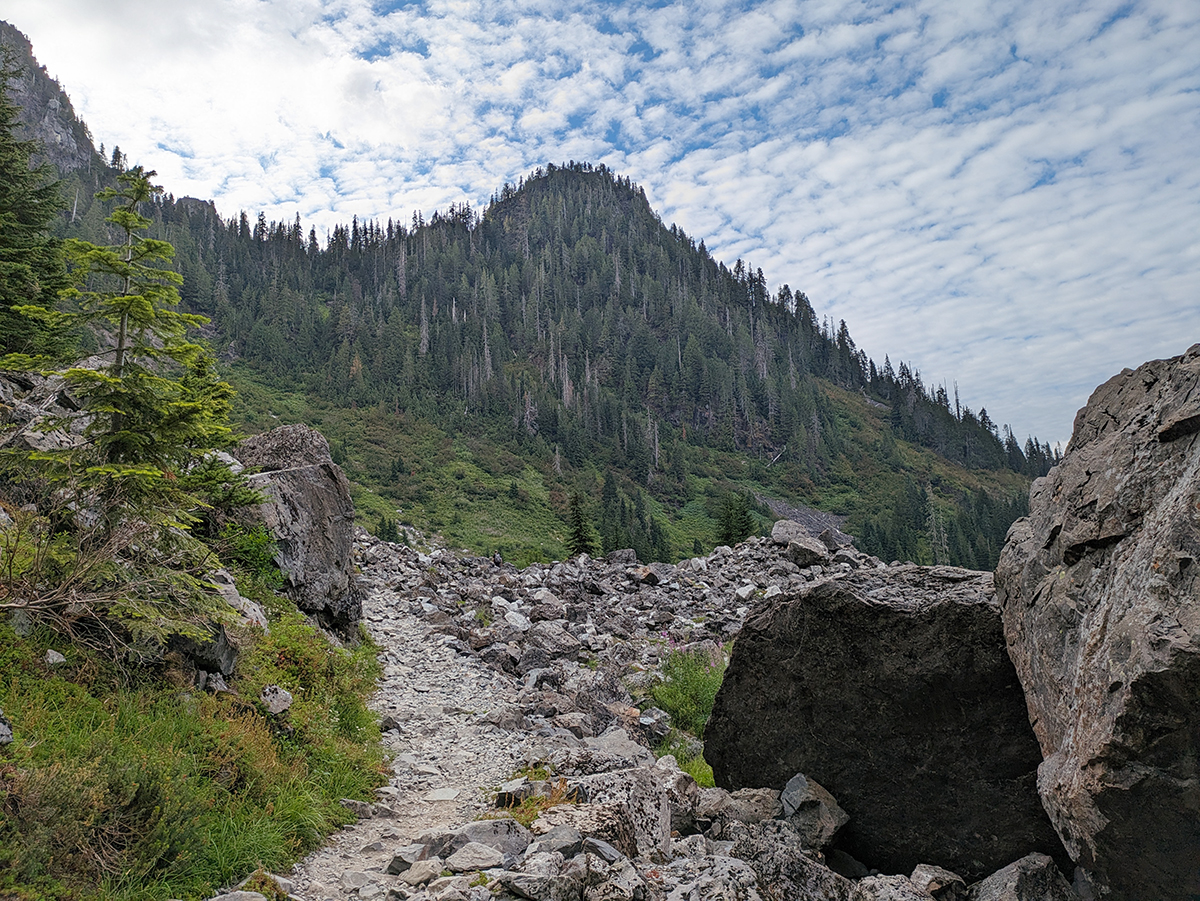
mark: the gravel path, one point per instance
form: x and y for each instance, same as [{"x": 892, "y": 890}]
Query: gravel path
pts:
[{"x": 444, "y": 752}]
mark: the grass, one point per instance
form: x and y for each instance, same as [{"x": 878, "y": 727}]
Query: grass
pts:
[
  {"x": 691, "y": 680},
  {"x": 693, "y": 764},
  {"x": 125, "y": 783},
  {"x": 533, "y": 807}
]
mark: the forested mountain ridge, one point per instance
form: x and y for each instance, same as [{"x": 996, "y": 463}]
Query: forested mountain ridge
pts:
[
  {"x": 478, "y": 368},
  {"x": 568, "y": 326}
]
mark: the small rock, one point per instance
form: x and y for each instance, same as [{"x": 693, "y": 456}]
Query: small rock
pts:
[
  {"x": 275, "y": 699},
  {"x": 813, "y": 811},
  {"x": 1032, "y": 878},
  {"x": 360, "y": 809},
  {"x": 422, "y": 871},
  {"x": 6, "y": 732},
  {"x": 54, "y": 658},
  {"x": 942, "y": 884}
]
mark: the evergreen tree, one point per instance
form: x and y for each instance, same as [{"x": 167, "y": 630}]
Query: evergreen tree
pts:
[
  {"x": 580, "y": 539},
  {"x": 32, "y": 271},
  {"x": 735, "y": 523},
  {"x": 158, "y": 401}
]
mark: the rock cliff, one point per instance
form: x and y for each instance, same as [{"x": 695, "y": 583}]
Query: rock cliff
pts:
[{"x": 1099, "y": 593}]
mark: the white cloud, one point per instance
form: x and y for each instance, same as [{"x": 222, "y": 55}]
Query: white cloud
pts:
[{"x": 1003, "y": 196}]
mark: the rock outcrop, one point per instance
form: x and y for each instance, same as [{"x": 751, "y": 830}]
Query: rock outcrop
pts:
[
  {"x": 309, "y": 511},
  {"x": 1100, "y": 594},
  {"x": 891, "y": 687}
]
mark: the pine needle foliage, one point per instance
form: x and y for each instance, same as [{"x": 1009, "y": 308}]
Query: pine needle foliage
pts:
[{"x": 32, "y": 271}]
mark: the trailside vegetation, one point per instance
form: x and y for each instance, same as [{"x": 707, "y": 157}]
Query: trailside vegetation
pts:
[{"x": 123, "y": 780}]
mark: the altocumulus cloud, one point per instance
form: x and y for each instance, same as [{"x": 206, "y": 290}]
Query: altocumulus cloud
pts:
[{"x": 1005, "y": 196}]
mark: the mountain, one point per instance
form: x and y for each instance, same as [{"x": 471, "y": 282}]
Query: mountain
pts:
[{"x": 476, "y": 369}]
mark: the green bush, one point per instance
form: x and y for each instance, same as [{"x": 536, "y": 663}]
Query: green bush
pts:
[
  {"x": 252, "y": 551},
  {"x": 689, "y": 687}
]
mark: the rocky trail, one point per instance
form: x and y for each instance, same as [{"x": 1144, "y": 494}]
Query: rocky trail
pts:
[
  {"x": 444, "y": 752},
  {"x": 490, "y": 671}
]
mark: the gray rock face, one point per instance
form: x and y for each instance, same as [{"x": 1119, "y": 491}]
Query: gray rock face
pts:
[
  {"x": 309, "y": 511},
  {"x": 1098, "y": 589},
  {"x": 882, "y": 685}
]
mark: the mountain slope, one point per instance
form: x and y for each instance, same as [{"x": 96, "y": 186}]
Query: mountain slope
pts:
[
  {"x": 567, "y": 333},
  {"x": 476, "y": 369}
]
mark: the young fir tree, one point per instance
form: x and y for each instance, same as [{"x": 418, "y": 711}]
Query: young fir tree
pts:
[
  {"x": 32, "y": 272},
  {"x": 157, "y": 403},
  {"x": 580, "y": 540},
  {"x": 109, "y": 552}
]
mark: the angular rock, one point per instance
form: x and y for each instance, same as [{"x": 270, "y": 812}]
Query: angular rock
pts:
[
  {"x": 405, "y": 858},
  {"x": 786, "y": 530},
  {"x": 939, "y": 882},
  {"x": 746, "y": 805},
  {"x": 564, "y": 840},
  {"x": 1032, "y": 878},
  {"x": 275, "y": 699},
  {"x": 309, "y": 512},
  {"x": 536, "y": 887},
  {"x": 552, "y": 638},
  {"x": 785, "y": 868},
  {"x": 812, "y": 810},
  {"x": 422, "y": 871},
  {"x": 506, "y": 836},
  {"x": 804, "y": 550},
  {"x": 6, "y": 732},
  {"x": 879, "y": 685},
  {"x": 611, "y": 823},
  {"x": 474, "y": 856},
  {"x": 888, "y": 888},
  {"x": 644, "y": 792},
  {"x": 1098, "y": 588}
]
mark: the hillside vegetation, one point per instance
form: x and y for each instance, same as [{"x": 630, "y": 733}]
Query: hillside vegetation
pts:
[{"x": 475, "y": 369}]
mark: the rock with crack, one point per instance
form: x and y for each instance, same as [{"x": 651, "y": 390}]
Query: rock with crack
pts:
[
  {"x": 879, "y": 685},
  {"x": 1099, "y": 587},
  {"x": 309, "y": 512}
]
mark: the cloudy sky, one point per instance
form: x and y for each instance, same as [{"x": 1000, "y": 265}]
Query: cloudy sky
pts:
[{"x": 1007, "y": 195}]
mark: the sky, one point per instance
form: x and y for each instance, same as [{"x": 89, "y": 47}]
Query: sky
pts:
[{"x": 1006, "y": 195}]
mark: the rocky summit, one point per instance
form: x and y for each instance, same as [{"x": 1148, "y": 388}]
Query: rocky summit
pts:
[
  {"x": 1099, "y": 591},
  {"x": 506, "y": 691}
]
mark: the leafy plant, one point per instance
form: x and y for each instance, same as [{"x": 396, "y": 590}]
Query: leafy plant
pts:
[{"x": 690, "y": 683}]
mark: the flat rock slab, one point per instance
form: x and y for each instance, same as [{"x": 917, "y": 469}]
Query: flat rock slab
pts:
[
  {"x": 894, "y": 691},
  {"x": 1099, "y": 589}
]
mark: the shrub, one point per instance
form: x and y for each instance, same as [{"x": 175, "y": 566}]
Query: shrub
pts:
[{"x": 690, "y": 683}]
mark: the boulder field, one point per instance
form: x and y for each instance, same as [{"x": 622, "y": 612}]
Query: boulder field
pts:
[{"x": 884, "y": 732}]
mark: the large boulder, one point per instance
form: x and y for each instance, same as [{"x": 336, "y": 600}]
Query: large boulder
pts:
[
  {"x": 892, "y": 688},
  {"x": 309, "y": 512},
  {"x": 1099, "y": 593}
]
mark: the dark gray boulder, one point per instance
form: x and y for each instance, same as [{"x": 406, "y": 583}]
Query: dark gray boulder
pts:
[
  {"x": 892, "y": 688},
  {"x": 1099, "y": 591},
  {"x": 309, "y": 511}
]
